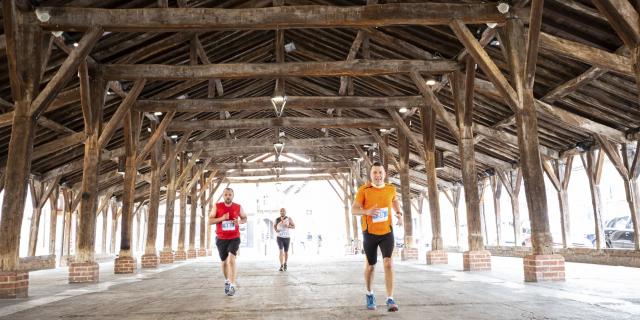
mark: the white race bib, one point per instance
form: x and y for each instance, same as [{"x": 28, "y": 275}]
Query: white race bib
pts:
[
  {"x": 284, "y": 233},
  {"x": 382, "y": 216},
  {"x": 228, "y": 225}
]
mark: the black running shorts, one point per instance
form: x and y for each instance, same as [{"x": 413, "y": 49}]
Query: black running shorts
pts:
[
  {"x": 283, "y": 243},
  {"x": 226, "y": 246},
  {"x": 371, "y": 242}
]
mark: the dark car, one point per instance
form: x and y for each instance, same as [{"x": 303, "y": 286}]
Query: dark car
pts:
[
  {"x": 622, "y": 238},
  {"x": 619, "y": 226}
]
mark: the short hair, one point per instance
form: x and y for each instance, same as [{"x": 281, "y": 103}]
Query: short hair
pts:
[
  {"x": 225, "y": 189},
  {"x": 377, "y": 164}
]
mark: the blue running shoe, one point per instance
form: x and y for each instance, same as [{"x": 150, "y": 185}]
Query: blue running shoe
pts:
[
  {"x": 232, "y": 291},
  {"x": 391, "y": 305},
  {"x": 226, "y": 287},
  {"x": 371, "y": 301}
]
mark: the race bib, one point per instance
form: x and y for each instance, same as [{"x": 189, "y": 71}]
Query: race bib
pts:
[
  {"x": 228, "y": 225},
  {"x": 382, "y": 216},
  {"x": 284, "y": 233}
]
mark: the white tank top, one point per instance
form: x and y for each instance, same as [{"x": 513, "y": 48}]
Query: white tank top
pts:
[{"x": 284, "y": 229}]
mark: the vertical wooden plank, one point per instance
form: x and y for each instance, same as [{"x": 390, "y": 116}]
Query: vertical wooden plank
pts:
[
  {"x": 53, "y": 222},
  {"x": 405, "y": 189},
  {"x": 183, "y": 207},
  {"x": 194, "y": 211},
  {"x": 154, "y": 196},
  {"x": 496, "y": 189},
  {"x": 593, "y": 166},
  {"x": 131, "y": 133},
  {"x": 170, "y": 207}
]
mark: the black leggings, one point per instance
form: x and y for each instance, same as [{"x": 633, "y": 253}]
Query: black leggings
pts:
[
  {"x": 371, "y": 242},
  {"x": 283, "y": 243}
]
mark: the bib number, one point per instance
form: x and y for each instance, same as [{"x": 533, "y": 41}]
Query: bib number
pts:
[
  {"x": 228, "y": 225},
  {"x": 284, "y": 233},
  {"x": 382, "y": 216}
]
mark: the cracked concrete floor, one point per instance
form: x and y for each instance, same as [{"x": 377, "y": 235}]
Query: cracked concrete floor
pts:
[{"x": 330, "y": 288}]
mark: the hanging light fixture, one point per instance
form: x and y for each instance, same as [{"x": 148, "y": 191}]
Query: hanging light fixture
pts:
[
  {"x": 503, "y": 6},
  {"x": 279, "y": 145},
  {"x": 278, "y": 103}
]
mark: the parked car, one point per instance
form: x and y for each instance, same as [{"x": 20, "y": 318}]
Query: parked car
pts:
[
  {"x": 613, "y": 225},
  {"x": 622, "y": 238}
]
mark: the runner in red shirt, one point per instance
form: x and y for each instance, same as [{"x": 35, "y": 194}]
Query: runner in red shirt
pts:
[{"x": 228, "y": 216}]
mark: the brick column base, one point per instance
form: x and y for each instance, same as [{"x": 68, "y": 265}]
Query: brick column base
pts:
[
  {"x": 150, "y": 261},
  {"x": 202, "y": 252},
  {"x": 84, "y": 272},
  {"x": 180, "y": 255},
  {"x": 166, "y": 257},
  {"x": 125, "y": 265},
  {"x": 437, "y": 257},
  {"x": 476, "y": 260},
  {"x": 14, "y": 284},
  {"x": 192, "y": 254},
  {"x": 409, "y": 254},
  {"x": 539, "y": 268},
  {"x": 209, "y": 252}
]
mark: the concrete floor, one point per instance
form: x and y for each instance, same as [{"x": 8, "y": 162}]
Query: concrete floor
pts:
[{"x": 329, "y": 288}]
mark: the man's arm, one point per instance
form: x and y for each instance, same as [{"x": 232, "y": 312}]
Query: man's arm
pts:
[
  {"x": 212, "y": 216},
  {"x": 243, "y": 216},
  {"x": 396, "y": 207},
  {"x": 291, "y": 224}
]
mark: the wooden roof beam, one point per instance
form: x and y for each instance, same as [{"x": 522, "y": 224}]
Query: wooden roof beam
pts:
[
  {"x": 283, "y": 17},
  {"x": 292, "y": 122},
  {"x": 274, "y": 70}
]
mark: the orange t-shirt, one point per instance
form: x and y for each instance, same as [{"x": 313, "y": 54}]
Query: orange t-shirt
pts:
[{"x": 368, "y": 197}]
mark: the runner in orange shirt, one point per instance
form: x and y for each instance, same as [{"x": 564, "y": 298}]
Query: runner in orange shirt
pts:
[{"x": 374, "y": 202}]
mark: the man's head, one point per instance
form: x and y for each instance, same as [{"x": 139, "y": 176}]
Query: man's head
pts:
[
  {"x": 227, "y": 195},
  {"x": 377, "y": 174},
  {"x": 283, "y": 212}
]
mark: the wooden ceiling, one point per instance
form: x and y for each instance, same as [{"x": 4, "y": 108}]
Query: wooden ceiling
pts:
[{"x": 218, "y": 69}]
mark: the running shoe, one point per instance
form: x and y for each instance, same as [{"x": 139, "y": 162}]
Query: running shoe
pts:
[
  {"x": 285, "y": 267},
  {"x": 391, "y": 305},
  {"x": 371, "y": 301},
  {"x": 232, "y": 291},
  {"x": 226, "y": 287},
  {"x": 281, "y": 268}
]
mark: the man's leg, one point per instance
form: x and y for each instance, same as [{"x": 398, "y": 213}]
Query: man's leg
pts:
[
  {"x": 368, "y": 275},
  {"x": 281, "y": 256},
  {"x": 388, "y": 276},
  {"x": 224, "y": 269},
  {"x": 231, "y": 261}
]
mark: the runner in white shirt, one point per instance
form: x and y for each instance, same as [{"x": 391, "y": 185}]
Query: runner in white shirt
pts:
[{"x": 282, "y": 225}]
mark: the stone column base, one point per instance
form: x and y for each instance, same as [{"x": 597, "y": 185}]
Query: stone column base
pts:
[
  {"x": 192, "y": 254},
  {"x": 180, "y": 255},
  {"x": 539, "y": 268},
  {"x": 14, "y": 284},
  {"x": 437, "y": 257},
  {"x": 84, "y": 272},
  {"x": 409, "y": 254},
  {"x": 125, "y": 265},
  {"x": 166, "y": 257},
  {"x": 202, "y": 252},
  {"x": 150, "y": 261},
  {"x": 476, "y": 260}
]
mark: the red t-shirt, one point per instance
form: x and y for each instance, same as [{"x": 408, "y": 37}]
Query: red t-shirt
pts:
[{"x": 227, "y": 229}]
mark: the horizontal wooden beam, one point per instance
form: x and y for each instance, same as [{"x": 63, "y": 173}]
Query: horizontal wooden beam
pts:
[
  {"x": 287, "y": 122},
  {"x": 280, "y": 179},
  {"x": 237, "y": 151},
  {"x": 262, "y": 142},
  {"x": 271, "y": 173},
  {"x": 280, "y": 17},
  {"x": 280, "y": 164},
  {"x": 354, "y": 68},
  {"x": 293, "y": 102}
]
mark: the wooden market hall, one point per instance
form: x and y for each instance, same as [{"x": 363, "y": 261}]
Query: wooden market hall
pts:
[{"x": 122, "y": 119}]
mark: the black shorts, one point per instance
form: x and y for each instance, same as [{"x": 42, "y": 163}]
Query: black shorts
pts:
[
  {"x": 371, "y": 242},
  {"x": 283, "y": 243},
  {"x": 226, "y": 246}
]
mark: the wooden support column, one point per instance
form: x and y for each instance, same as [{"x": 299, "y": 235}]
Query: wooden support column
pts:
[
  {"x": 476, "y": 258},
  {"x": 25, "y": 45},
  {"x": 209, "y": 205},
  {"x": 409, "y": 252},
  {"x": 592, "y": 162},
  {"x": 181, "y": 254},
  {"x": 347, "y": 219},
  {"x": 453, "y": 195},
  {"x": 92, "y": 96},
  {"x": 40, "y": 192},
  {"x": 126, "y": 263},
  {"x": 559, "y": 172},
  {"x": 67, "y": 198},
  {"x": 354, "y": 220},
  {"x": 115, "y": 215},
  {"x": 150, "y": 257},
  {"x": 496, "y": 190},
  {"x": 386, "y": 156},
  {"x": 166, "y": 256},
  {"x": 512, "y": 182},
  {"x": 436, "y": 255},
  {"x": 627, "y": 163},
  {"x": 193, "y": 196},
  {"x": 203, "y": 215},
  {"x": 53, "y": 222},
  {"x": 105, "y": 224}
]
